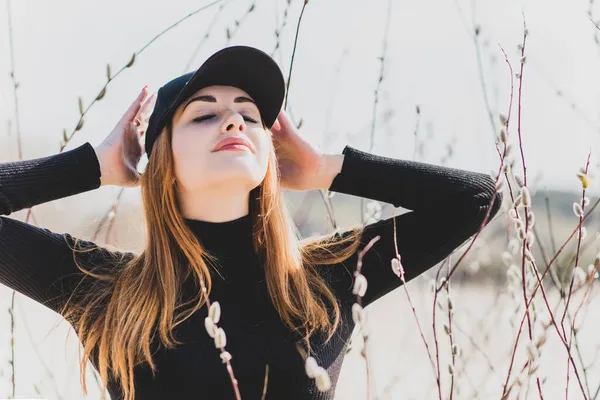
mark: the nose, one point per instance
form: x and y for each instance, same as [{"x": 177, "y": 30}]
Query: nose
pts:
[{"x": 232, "y": 123}]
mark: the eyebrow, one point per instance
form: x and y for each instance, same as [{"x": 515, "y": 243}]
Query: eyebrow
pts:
[{"x": 211, "y": 99}]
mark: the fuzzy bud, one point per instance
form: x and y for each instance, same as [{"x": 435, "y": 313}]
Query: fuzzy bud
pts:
[
  {"x": 499, "y": 183},
  {"x": 214, "y": 312},
  {"x": 584, "y": 178},
  {"x": 526, "y": 196},
  {"x": 532, "y": 351},
  {"x": 579, "y": 276},
  {"x": 226, "y": 357},
  {"x": 577, "y": 210},
  {"x": 531, "y": 218},
  {"x": 583, "y": 232},
  {"x": 442, "y": 281},
  {"x": 530, "y": 237},
  {"x": 529, "y": 256},
  {"x": 397, "y": 267},
  {"x": 220, "y": 338},
  {"x": 358, "y": 313},
  {"x": 519, "y": 180},
  {"x": 455, "y": 349},
  {"x": 503, "y": 135},
  {"x": 210, "y": 326},
  {"x": 541, "y": 339},
  {"x": 518, "y": 201},
  {"x": 503, "y": 119},
  {"x": 585, "y": 201},
  {"x": 592, "y": 272},
  {"x": 322, "y": 380},
  {"x": 533, "y": 368},
  {"x": 360, "y": 285},
  {"x": 311, "y": 367}
]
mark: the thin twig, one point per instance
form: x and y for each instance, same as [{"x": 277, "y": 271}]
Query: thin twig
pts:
[
  {"x": 435, "y": 341},
  {"x": 280, "y": 28},
  {"x": 526, "y": 206},
  {"x": 11, "y": 310},
  {"x": 377, "y": 88},
  {"x": 204, "y": 37},
  {"x": 264, "y": 393},
  {"x": 135, "y": 55},
  {"x": 289, "y": 79},
  {"x": 238, "y": 23},
  {"x": 358, "y": 290},
  {"x": 225, "y": 356},
  {"x": 400, "y": 273},
  {"x": 562, "y": 321}
]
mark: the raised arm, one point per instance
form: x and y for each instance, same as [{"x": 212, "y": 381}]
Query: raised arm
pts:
[
  {"x": 447, "y": 206},
  {"x": 37, "y": 262},
  {"x": 27, "y": 183}
]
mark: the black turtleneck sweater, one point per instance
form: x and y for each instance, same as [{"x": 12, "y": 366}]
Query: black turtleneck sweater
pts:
[{"x": 447, "y": 206}]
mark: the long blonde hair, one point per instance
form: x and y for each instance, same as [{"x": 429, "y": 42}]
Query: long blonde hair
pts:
[{"x": 139, "y": 295}]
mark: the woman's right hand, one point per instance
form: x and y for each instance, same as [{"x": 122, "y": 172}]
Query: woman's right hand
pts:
[{"x": 120, "y": 152}]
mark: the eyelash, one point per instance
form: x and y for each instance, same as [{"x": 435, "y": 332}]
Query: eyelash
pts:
[{"x": 207, "y": 117}]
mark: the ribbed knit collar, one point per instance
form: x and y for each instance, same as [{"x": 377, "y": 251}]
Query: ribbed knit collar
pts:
[{"x": 231, "y": 242}]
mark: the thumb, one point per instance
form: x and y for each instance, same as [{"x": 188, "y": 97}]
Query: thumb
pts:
[
  {"x": 276, "y": 125},
  {"x": 284, "y": 121}
]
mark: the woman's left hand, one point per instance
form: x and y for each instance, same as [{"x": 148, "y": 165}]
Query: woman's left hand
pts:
[{"x": 299, "y": 161}]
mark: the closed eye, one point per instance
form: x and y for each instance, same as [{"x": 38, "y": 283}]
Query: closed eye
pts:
[{"x": 209, "y": 116}]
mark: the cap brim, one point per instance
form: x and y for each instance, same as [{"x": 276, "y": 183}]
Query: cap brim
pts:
[{"x": 247, "y": 68}]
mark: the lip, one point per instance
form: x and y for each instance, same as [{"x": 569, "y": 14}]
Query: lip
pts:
[{"x": 233, "y": 140}]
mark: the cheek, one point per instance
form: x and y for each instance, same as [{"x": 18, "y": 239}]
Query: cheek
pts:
[
  {"x": 264, "y": 145},
  {"x": 189, "y": 154}
]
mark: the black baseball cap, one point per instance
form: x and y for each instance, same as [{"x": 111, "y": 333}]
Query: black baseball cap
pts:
[{"x": 244, "y": 67}]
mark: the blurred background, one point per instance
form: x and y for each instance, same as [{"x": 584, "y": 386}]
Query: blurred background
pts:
[{"x": 423, "y": 81}]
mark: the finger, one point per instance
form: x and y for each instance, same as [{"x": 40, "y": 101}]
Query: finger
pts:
[
  {"x": 276, "y": 125},
  {"x": 135, "y": 106},
  {"x": 147, "y": 107},
  {"x": 284, "y": 121}
]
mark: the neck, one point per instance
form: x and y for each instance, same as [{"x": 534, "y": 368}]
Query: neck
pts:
[{"x": 220, "y": 204}]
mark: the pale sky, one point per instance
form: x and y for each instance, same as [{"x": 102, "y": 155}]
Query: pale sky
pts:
[
  {"x": 61, "y": 51},
  {"x": 62, "y": 48}
]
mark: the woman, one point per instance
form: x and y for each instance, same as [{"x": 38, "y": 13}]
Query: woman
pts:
[{"x": 219, "y": 153}]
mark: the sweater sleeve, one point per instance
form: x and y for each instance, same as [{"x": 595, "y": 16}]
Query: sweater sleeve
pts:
[
  {"x": 34, "y": 261},
  {"x": 447, "y": 206},
  {"x": 27, "y": 183}
]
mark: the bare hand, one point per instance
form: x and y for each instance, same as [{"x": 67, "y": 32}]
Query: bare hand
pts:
[
  {"x": 299, "y": 161},
  {"x": 120, "y": 152}
]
